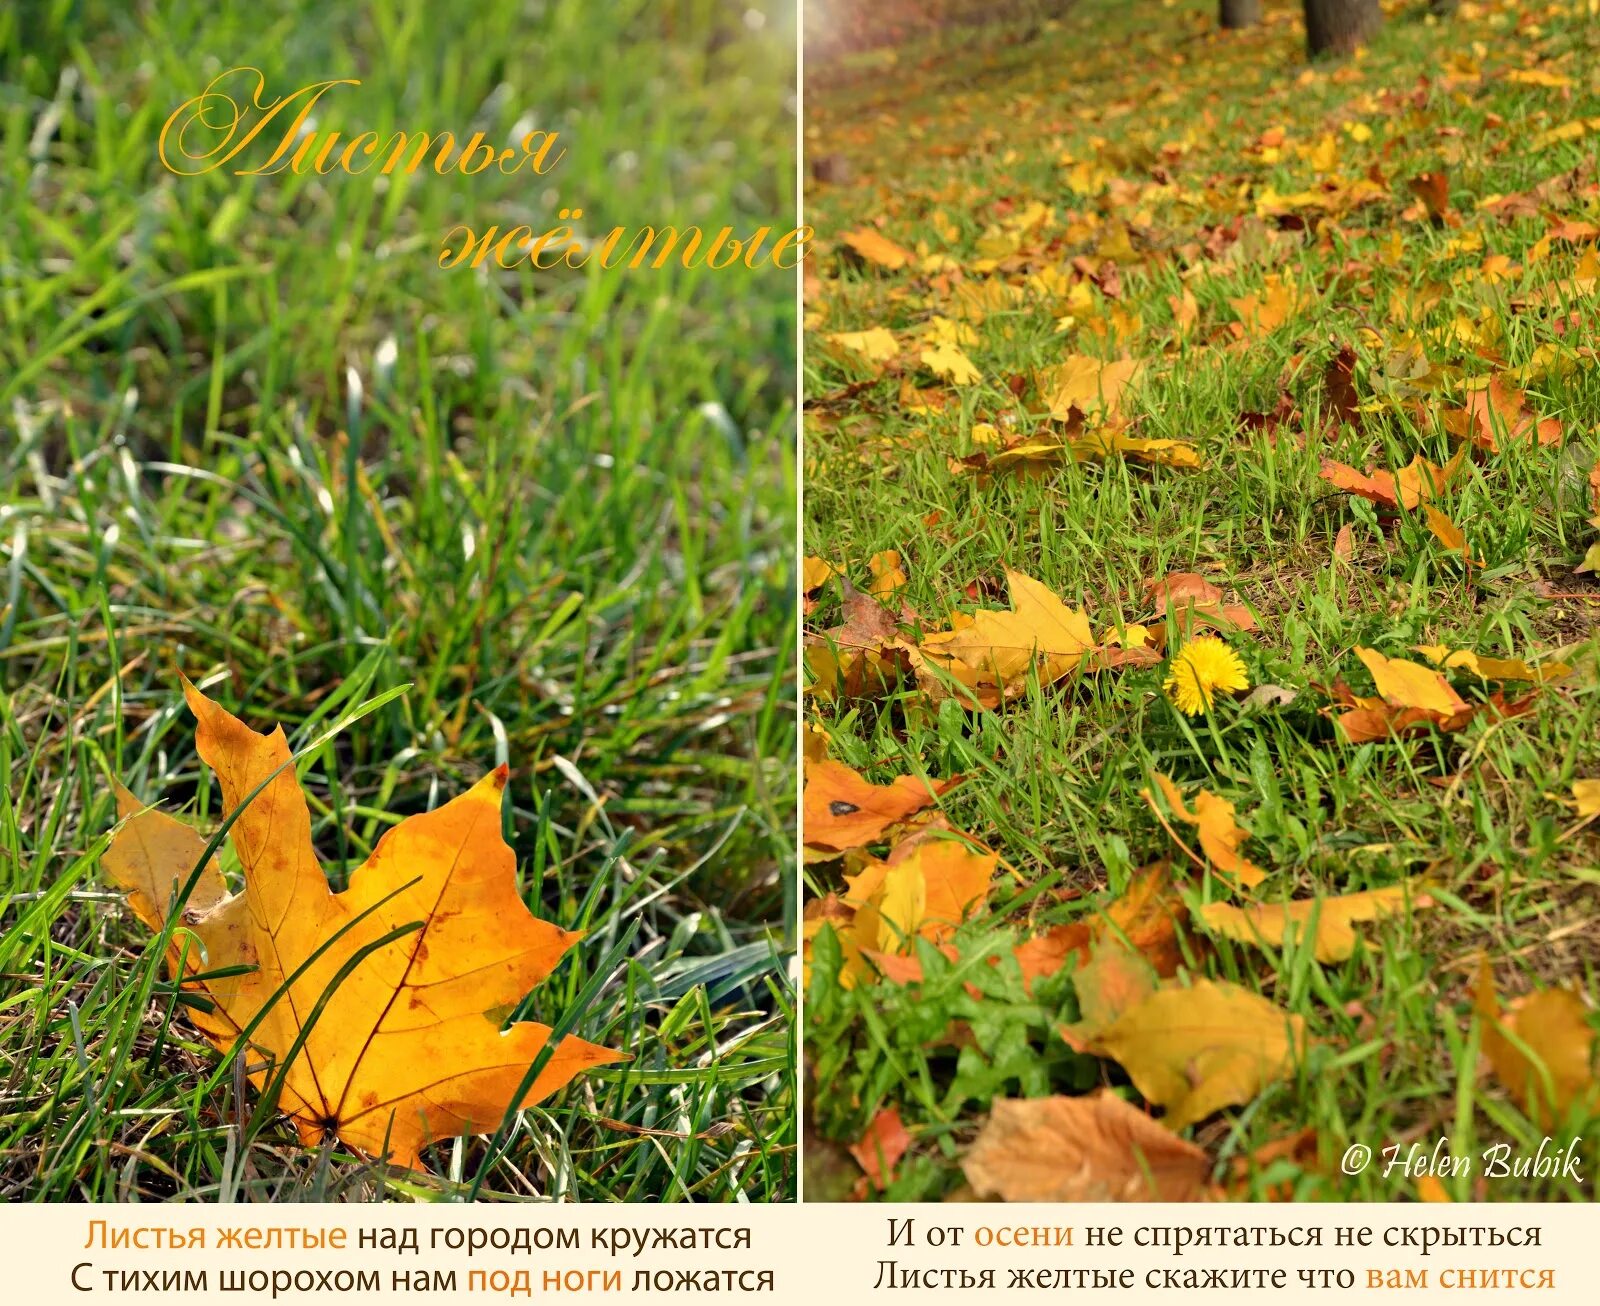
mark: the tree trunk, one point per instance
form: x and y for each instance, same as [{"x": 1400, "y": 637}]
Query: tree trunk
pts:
[
  {"x": 1240, "y": 13},
  {"x": 1337, "y": 27}
]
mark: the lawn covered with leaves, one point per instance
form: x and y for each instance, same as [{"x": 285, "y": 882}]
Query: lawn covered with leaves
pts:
[
  {"x": 1203, "y": 525},
  {"x": 430, "y": 521}
]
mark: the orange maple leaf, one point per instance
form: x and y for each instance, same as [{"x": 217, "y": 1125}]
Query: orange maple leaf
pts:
[{"x": 381, "y": 1010}]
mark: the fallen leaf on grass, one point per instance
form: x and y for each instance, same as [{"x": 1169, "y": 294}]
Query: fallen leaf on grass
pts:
[
  {"x": 1039, "y": 455},
  {"x": 879, "y": 1150},
  {"x": 858, "y": 657},
  {"x": 1406, "y": 684},
  {"x": 1102, "y": 443},
  {"x": 1492, "y": 668},
  {"x": 1413, "y": 483},
  {"x": 1198, "y": 1049},
  {"x": 1586, "y": 794},
  {"x": 877, "y": 248},
  {"x": 1542, "y": 1049},
  {"x": 1191, "y": 602},
  {"x": 405, "y": 969},
  {"x": 1412, "y": 699},
  {"x": 843, "y": 810},
  {"x": 815, "y": 573},
  {"x": 1448, "y": 534},
  {"x": 949, "y": 362},
  {"x": 999, "y": 648},
  {"x": 888, "y": 574},
  {"x": 1496, "y": 413},
  {"x": 1221, "y": 837},
  {"x": 1079, "y": 384},
  {"x": 1082, "y": 1149},
  {"x": 1115, "y": 979},
  {"x": 1330, "y": 920},
  {"x": 928, "y": 893},
  {"x": 1430, "y": 1189},
  {"x": 875, "y": 345},
  {"x": 1339, "y": 387},
  {"x": 1433, "y": 189}
]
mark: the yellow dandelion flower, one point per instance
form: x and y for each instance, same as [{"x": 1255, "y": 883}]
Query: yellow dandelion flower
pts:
[{"x": 1201, "y": 668}]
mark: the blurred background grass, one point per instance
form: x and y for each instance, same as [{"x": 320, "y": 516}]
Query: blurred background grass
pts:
[{"x": 250, "y": 431}]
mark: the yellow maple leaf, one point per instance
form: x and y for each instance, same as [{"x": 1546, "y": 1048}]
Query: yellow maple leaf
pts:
[
  {"x": 1330, "y": 921},
  {"x": 1198, "y": 1049},
  {"x": 1003, "y": 646},
  {"x": 948, "y": 361}
]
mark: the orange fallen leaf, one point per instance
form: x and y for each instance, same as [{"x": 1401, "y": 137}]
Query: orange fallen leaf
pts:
[
  {"x": 1430, "y": 1189},
  {"x": 1082, "y": 1149},
  {"x": 928, "y": 893},
  {"x": 888, "y": 574},
  {"x": 1115, "y": 979},
  {"x": 1413, "y": 483},
  {"x": 1498, "y": 412},
  {"x": 413, "y": 965},
  {"x": 880, "y": 1148},
  {"x": 815, "y": 573},
  {"x": 1412, "y": 698},
  {"x": 1221, "y": 837},
  {"x": 1406, "y": 684},
  {"x": 1543, "y": 1049},
  {"x": 843, "y": 810},
  {"x": 877, "y": 248},
  {"x": 1448, "y": 533}
]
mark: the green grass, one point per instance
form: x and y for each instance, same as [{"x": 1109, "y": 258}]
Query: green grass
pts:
[
  {"x": 254, "y": 435},
  {"x": 1053, "y": 781}
]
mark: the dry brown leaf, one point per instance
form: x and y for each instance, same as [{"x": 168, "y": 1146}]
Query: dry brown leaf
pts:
[
  {"x": 1082, "y": 1149},
  {"x": 859, "y": 657}
]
